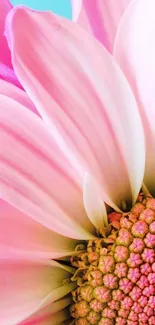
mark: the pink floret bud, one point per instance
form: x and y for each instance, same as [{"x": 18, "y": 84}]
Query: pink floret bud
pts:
[
  {"x": 151, "y": 204},
  {"x": 133, "y": 316},
  {"x": 137, "y": 308},
  {"x": 123, "y": 312},
  {"x": 109, "y": 313},
  {"x": 106, "y": 264},
  {"x": 143, "y": 318},
  {"x": 150, "y": 240},
  {"x": 145, "y": 269},
  {"x": 143, "y": 300},
  {"x": 121, "y": 253},
  {"x": 139, "y": 229},
  {"x": 121, "y": 269},
  {"x": 125, "y": 285},
  {"x": 148, "y": 216},
  {"x": 152, "y": 320},
  {"x": 148, "y": 311},
  {"x": 134, "y": 260},
  {"x": 102, "y": 294},
  {"x": 118, "y": 295},
  {"x": 110, "y": 281},
  {"x": 152, "y": 227},
  {"x": 143, "y": 282},
  {"x": 126, "y": 303},
  {"x": 93, "y": 317},
  {"x": 153, "y": 267},
  {"x": 106, "y": 321},
  {"x": 148, "y": 255},
  {"x": 150, "y": 290},
  {"x": 151, "y": 278},
  {"x": 152, "y": 301},
  {"x": 96, "y": 305},
  {"x": 137, "y": 245},
  {"x": 134, "y": 274},
  {"x": 125, "y": 223},
  {"x": 124, "y": 237},
  {"x": 137, "y": 209}
]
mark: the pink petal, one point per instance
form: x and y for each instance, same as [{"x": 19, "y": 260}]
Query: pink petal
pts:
[
  {"x": 51, "y": 314},
  {"x": 6, "y": 71},
  {"x": 76, "y": 84},
  {"x": 135, "y": 52},
  {"x": 50, "y": 319},
  {"x": 5, "y": 57},
  {"x": 21, "y": 236},
  {"x": 25, "y": 287},
  {"x": 19, "y": 95},
  {"x": 100, "y": 17},
  {"x": 93, "y": 202},
  {"x": 35, "y": 175}
]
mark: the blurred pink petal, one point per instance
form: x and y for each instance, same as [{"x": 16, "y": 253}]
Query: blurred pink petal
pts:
[
  {"x": 14, "y": 92},
  {"x": 76, "y": 84},
  {"x": 27, "y": 286},
  {"x": 22, "y": 237},
  {"x": 8, "y": 74},
  {"x": 100, "y": 17},
  {"x": 35, "y": 175},
  {"x": 93, "y": 203},
  {"x": 135, "y": 52},
  {"x": 5, "y": 56},
  {"x": 6, "y": 70},
  {"x": 52, "y": 314}
]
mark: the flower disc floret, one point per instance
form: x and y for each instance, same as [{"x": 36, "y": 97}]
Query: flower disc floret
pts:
[{"x": 118, "y": 279}]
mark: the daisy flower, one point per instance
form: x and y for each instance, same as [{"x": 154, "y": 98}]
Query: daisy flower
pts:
[{"x": 77, "y": 238}]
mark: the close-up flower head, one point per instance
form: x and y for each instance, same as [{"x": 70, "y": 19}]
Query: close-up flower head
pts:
[{"x": 77, "y": 164}]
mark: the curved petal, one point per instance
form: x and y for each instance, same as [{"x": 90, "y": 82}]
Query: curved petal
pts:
[
  {"x": 75, "y": 83},
  {"x": 5, "y": 56},
  {"x": 93, "y": 203},
  {"x": 52, "y": 314},
  {"x": 100, "y": 17},
  {"x": 135, "y": 52},
  {"x": 25, "y": 287},
  {"x": 23, "y": 237},
  {"x": 35, "y": 175},
  {"x": 14, "y": 92},
  {"x": 50, "y": 319},
  {"x": 6, "y": 71}
]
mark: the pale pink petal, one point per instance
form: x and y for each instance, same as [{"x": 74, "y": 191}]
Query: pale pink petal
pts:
[
  {"x": 26, "y": 286},
  {"x": 75, "y": 83},
  {"x": 100, "y": 17},
  {"x": 6, "y": 71},
  {"x": 35, "y": 175},
  {"x": 52, "y": 314},
  {"x": 19, "y": 95},
  {"x": 93, "y": 203},
  {"x": 21, "y": 236},
  {"x": 50, "y": 319},
  {"x": 5, "y": 57},
  {"x": 135, "y": 52}
]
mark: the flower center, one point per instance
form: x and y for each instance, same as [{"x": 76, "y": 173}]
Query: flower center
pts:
[{"x": 116, "y": 275}]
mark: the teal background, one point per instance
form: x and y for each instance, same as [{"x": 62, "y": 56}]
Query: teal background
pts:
[{"x": 60, "y": 7}]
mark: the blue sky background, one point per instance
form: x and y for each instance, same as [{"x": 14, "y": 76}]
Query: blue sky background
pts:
[{"x": 60, "y": 7}]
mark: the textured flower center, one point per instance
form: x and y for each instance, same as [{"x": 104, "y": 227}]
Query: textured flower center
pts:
[{"x": 116, "y": 275}]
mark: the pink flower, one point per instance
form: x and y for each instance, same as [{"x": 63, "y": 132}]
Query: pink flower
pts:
[{"x": 58, "y": 171}]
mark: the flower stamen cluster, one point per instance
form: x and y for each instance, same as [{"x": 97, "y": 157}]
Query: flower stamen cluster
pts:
[{"x": 116, "y": 275}]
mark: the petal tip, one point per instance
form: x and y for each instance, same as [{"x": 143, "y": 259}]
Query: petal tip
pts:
[{"x": 13, "y": 14}]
